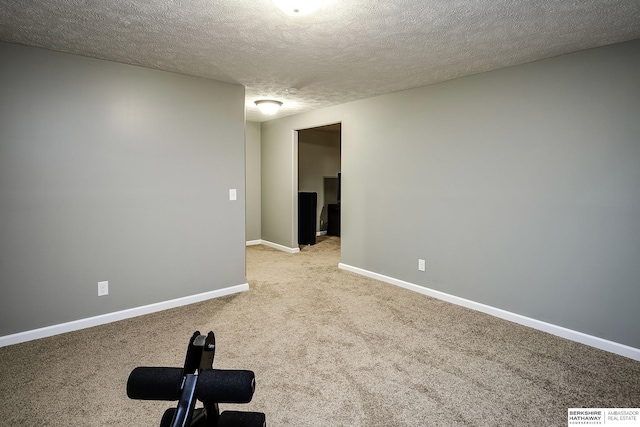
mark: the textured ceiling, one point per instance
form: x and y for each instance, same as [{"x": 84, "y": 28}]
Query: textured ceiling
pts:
[{"x": 344, "y": 51}]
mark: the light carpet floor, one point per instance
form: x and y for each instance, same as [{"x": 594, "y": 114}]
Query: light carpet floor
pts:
[{"x": 329, "y": 348}]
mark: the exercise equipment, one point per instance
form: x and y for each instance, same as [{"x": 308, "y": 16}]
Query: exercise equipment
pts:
[{"x": 197, "y": 380}]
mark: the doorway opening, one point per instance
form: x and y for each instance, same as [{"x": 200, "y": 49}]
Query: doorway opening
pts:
[{"x": 319, "y": 183}]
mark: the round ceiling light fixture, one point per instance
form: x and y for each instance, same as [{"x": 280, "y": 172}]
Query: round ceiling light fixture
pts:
[{"x": 268, "y": 106}]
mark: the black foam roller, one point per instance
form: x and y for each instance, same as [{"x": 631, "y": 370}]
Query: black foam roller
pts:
[
  {"x": 167, "y": 417},
  {"x": 154, "y": 383},
  {"x": 225, "y": 386},
  {"x": 242, "y": 419}
]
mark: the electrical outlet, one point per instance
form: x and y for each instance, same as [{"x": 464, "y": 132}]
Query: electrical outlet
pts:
[
  {"x": 233, "y": 194},
  {"x": 422, "y": 265},
  {"x": 103, "y": 288}
]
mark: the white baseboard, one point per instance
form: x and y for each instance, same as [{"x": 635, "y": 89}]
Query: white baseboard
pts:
[
  {"x": 321, "y": 233},
  {"x": 279, "y": 247},
  {"x": 118, "y": 315},
  {"x": 602, "y": 344},
  {"x": 254, "y": 242}
]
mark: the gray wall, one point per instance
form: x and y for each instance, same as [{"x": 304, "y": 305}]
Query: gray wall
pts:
[
  {"x": 318, "y": 156},
  {"x": 519, "y": 187},
  {"x": 113, "y": 172},
  {"x": 253, "y": 199},
  {"x": 279, "y": 183}
]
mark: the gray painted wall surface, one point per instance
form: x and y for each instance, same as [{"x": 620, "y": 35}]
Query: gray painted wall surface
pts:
[
  {"x": 279, "y": 184},
  {"x": 253, "y": 202},
  {"x": 519, "y": 187},
  {"x": 113, "y": 172}
]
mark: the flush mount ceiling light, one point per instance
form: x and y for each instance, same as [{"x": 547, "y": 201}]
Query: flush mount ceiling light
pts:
[
  {"x": 268, "y": 106},
  {"x": 297, "y": 7}
]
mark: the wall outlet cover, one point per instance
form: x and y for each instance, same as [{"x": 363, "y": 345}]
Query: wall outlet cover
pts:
[{"x": 103, "y": 288}]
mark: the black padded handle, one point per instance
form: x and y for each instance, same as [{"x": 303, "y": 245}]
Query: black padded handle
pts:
[{"x": 213, "y": 385}]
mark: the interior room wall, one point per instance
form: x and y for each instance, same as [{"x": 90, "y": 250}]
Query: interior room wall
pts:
[
  {"x": 318, "y": 156},
  {"x": 519, "y": 187},
  {"x": 110, "y": 172},
  {"x": 279, "y": 184},
  {"x": 253, "y": 199}
]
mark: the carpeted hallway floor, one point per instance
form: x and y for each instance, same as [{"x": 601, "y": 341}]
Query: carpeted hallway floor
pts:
[{"x": 329, "y": 348}]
